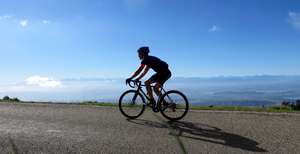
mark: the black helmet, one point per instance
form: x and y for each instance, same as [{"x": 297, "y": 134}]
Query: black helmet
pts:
[{"x": 144, "y": 50}]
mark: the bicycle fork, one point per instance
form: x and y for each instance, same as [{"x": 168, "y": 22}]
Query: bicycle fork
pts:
[{"x": 135, "y": 95}]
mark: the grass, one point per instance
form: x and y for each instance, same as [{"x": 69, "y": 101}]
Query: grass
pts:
[
  {"x": 244, "y": 108},
  {"x": 213, "y": 108},
  {"x": 218, "y": 108}
]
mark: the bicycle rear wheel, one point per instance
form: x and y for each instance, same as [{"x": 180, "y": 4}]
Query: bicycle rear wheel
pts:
[
  {"x": 132, "y": 104},
  {"x": 173, "y": 105}
]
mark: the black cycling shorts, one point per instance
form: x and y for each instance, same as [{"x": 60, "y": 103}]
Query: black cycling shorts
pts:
[{"x": 161, "y": 77}]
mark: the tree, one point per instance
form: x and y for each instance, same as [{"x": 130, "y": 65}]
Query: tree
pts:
[
  {"x": 6, "y": 98},
  {"x": 15, "y": 100},
  {"x": 285, "y": 103},
  {"x": 297, "y": 106}
]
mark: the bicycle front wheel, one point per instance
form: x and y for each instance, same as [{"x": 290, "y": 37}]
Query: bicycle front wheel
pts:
[
  {"x": 132, "y": 104},
  {"x": 173, "y": 105}
]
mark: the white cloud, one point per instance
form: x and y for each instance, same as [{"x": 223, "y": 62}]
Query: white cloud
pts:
[
  {"x": 46, "y": 21},
  {"x": 23, "y": 23},
  {"x": 42, "y": 82},
  {"x": 214, "y": 28},
  {"x": 294, "y": 19}
]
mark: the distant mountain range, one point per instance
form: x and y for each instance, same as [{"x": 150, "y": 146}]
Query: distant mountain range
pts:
[{"x": 224, "y": 90}]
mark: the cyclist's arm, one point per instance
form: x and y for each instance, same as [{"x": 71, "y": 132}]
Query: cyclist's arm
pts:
[
  {"x": 137, "y": 72},
  {"x": 144, "y": 73}
]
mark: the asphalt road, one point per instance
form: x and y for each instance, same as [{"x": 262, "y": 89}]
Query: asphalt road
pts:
[{"x": 52, "y": 128}]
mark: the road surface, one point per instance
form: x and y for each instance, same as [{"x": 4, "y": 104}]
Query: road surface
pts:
[{"x": 53, "y": 128}]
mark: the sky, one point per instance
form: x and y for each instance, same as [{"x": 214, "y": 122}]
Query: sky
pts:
[{"x": 43, "y": 42}]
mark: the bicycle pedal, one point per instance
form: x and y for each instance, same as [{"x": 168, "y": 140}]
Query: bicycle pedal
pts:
[{"x": 155, "y": 109}]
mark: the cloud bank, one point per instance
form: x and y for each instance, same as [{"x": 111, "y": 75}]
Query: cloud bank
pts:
[{"x": 42, "y": 82}]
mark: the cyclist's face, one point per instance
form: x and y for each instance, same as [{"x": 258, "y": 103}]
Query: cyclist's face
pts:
[{"x": 141, "y": 56}]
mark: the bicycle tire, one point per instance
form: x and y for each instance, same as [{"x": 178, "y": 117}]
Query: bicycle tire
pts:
[
  {"x": 162, "y": 110},
  {"x": 122, "y": 104}
]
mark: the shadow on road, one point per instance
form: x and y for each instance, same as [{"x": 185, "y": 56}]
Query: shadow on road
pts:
[
  {"x": 148, "y": 123},
  {"x": 205, "y": 133}
]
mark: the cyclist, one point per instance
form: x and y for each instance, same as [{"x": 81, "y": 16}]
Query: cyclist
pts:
[{"x": 159, "y": 78}]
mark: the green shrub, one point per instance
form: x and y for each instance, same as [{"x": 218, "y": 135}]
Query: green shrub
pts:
[
  {"x": 296, "y": 105},
  {"x": 293, "y": 105},
  {"x": 6, "y": 98},
  {"x": 15, "y": 100}
]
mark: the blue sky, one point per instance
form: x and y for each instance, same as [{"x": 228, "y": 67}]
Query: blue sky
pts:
[{"x": 58, "y": 39}]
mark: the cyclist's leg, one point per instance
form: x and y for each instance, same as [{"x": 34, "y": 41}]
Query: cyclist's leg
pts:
[
  {"x": 149, "y": 89},
  {"x": 161, "y": 79},
  {"x": 148, "y": 83},
  {"x": 157, "y": 88}
]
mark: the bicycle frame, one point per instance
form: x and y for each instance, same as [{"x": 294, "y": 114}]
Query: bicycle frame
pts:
[{"x": 140, "y": 90}]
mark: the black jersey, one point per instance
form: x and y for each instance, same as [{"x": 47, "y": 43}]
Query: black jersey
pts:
[{"x": 155, "y": 63}]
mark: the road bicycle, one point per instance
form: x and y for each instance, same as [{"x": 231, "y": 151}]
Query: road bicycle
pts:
[{"x": 173, "y": 104}]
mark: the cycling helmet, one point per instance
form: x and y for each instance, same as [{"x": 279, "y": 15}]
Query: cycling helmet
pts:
[{"x": 144, "y": 50}]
